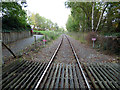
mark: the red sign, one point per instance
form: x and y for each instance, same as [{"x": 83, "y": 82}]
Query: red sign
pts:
[
  {"x": 93, "y": 39},
  {"x": 44, "y": 40}
]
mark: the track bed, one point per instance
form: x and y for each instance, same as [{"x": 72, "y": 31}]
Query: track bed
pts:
[
  {"x": 99, "y": 75},
  {"x": 61, "y": 72}
]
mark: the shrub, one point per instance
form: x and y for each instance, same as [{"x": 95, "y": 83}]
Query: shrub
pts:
[
  {"x": 109, "y": 44},
  {"x": 91, "y": 35}
]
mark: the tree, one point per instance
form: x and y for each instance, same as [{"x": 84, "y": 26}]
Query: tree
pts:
[
  {"x": 14, "y": 17},
  {"x": 97, "y": 16},
  {"x": 41, "y": 23},
  {"x": 31, "y": 20},
  {"x": 81, "y": 8},
  {"x": 71, "y": 25}
]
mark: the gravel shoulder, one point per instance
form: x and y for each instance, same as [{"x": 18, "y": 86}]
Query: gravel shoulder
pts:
[
  {"x": 89, "y": 55},
  {"x": 85, "y": 53},
  {"x": 65, "y": 54},
  {"x": 45, "y": 53}
]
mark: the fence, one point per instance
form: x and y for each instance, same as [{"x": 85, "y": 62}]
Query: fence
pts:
[{"x": 8, "y": 37}]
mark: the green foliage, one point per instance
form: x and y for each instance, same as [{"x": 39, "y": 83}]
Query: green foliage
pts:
[
  {"x": 111, "y": 34},
  {"x": 14, "y": 18},
  {"x": 91, "y": 35},
  {"x": 109, "y": 45},
  {"x": 111, "y": 22},
  {"x": 50, "y": 35},
  {"x": 72, "y": 25},
  {"x": 81, "y": 16},
  {"x": 41, "y": 23},
  {"x": 81, "y": 13}
]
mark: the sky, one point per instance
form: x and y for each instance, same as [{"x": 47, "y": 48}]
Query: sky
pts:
[{"x": 51, "y": 9}]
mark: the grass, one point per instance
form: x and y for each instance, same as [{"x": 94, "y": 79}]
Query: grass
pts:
[
  {"x": 78, "y": 36},
  {"x": 49, "y": 35}
]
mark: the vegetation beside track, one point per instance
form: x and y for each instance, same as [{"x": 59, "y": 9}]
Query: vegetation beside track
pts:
[
  {"x": 78, "y": 36},
  {"x": 28, "y": 52},
  {"x": 49, "y": 35},
  {"x": 106, "y": 45}
]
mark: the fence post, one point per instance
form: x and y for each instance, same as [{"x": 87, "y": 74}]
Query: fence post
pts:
[{"x": 35, "y": 40}]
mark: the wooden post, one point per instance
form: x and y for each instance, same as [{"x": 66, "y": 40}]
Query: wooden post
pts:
[
  {"x": 93, "y": 39},
  {"x": 35, "y": 40},
  {"x": 93, "y": 44}
]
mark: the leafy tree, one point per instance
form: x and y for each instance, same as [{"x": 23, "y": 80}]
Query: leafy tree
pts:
[
  {"x": 14, "y": 17},
  {"x": 71, "y": 25},
  {"x": 112, "y": 18},
  {"x": 97, "y": 16},
  {"x": 81, "y": 11},
  {"x": 41, "y": 23},
  {"x": 31, "y": 20}
]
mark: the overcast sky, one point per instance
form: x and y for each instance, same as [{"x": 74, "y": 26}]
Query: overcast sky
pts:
[{"x": 51, "y": 9}]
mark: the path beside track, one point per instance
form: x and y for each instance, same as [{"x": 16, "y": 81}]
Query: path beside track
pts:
[{"x": 17, "y": 46}]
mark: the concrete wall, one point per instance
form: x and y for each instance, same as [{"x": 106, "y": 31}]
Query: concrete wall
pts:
[{"x": 9, "y": 37}]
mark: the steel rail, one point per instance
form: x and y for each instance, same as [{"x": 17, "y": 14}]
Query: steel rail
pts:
[
  {"x": 52, "y": 58},
  {"x": 79, "y": 63}
]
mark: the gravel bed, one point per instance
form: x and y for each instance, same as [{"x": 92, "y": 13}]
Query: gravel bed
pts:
[
  {"x": 87, "y": 54},
  {"x": 44, "y": 55},
  {"x": 65, "y": 54}
]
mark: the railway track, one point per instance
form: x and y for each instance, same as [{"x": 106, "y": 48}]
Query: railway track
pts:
[
  {"x": 82, "y": 75},
  {"x": 35, "y": 75}
]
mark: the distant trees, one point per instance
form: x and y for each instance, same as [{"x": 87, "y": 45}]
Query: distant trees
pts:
[
  {"x": 72, "y": 24},
  {"x": 41, "y": 23},
  {"x": 106, "y": 17},
  {"x": 14, "y": 18}
]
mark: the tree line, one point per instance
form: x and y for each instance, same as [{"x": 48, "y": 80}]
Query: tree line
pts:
[
  {"x": 41, "y": 23},
  {"x": 94, "y": 16},
  {"x": 15, "y": 18}
]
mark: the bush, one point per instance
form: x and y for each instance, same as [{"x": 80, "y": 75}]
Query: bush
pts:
[
  {"x": 49, "y": 35},
  {"x": 110, "y": 45},
  {"x": 91, "y": 35}
]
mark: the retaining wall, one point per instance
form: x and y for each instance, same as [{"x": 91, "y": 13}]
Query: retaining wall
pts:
[{"x": 8, "y": 37}]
